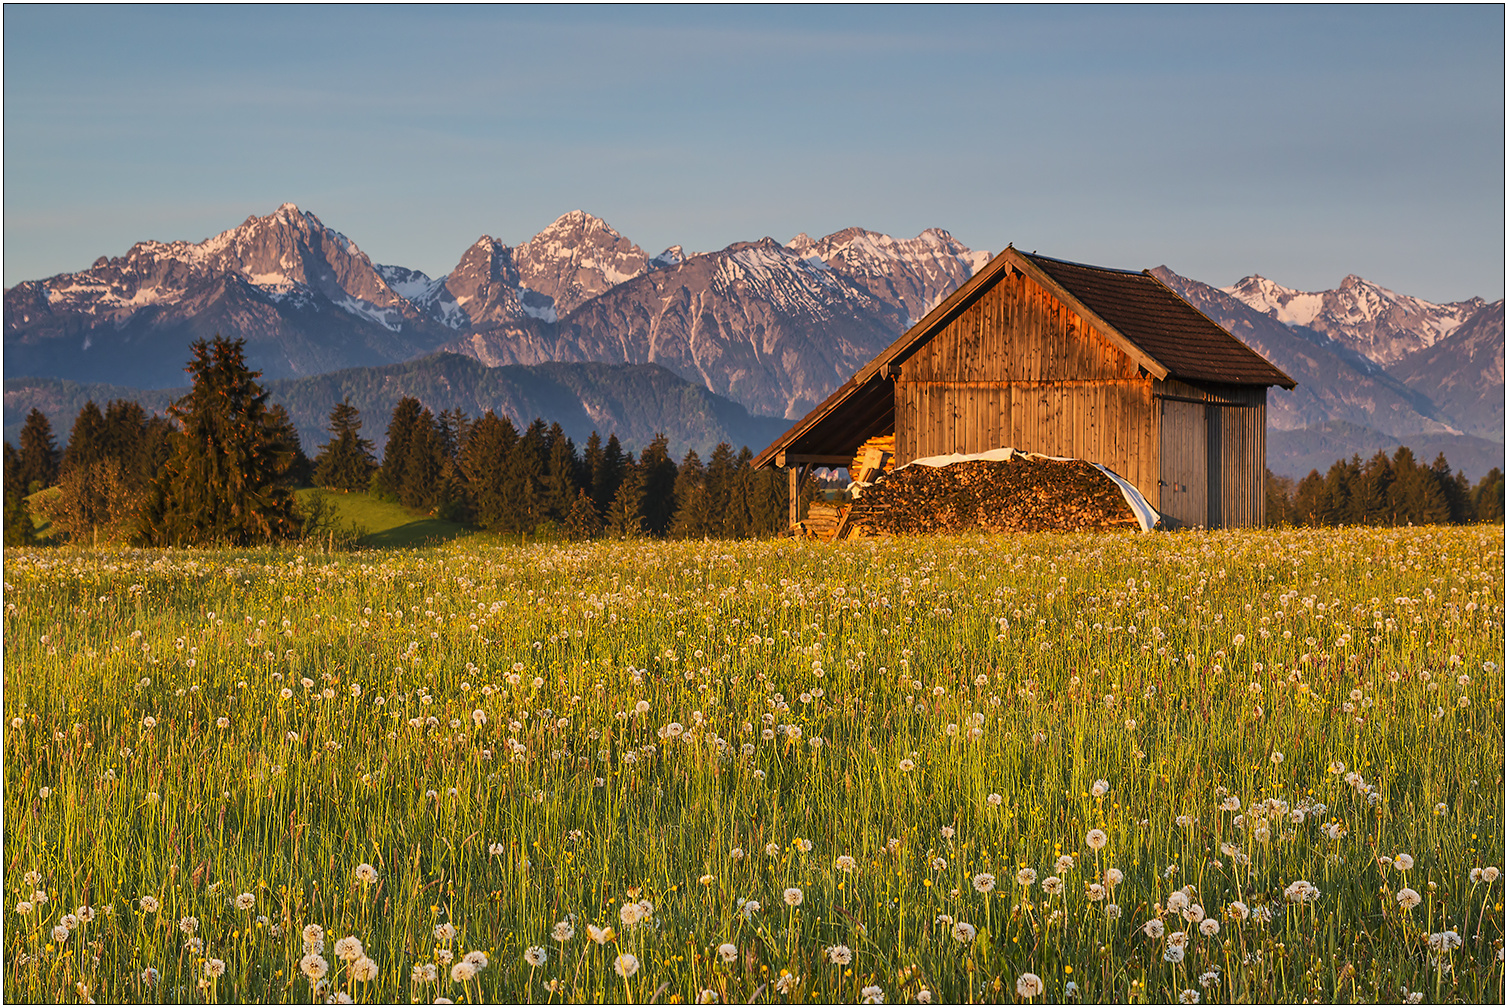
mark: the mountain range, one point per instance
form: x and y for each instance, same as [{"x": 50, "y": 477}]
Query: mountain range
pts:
[{"x": 772, "y": 326}]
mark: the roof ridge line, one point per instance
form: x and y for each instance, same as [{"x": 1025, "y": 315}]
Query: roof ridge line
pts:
[{"x": 1083, "y": 265}]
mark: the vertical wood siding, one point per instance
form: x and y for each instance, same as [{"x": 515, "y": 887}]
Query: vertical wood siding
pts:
[{"x": 1019, "y": 369}]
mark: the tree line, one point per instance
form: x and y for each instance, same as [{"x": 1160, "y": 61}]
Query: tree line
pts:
[
  {"x": 1400, "y": 490},
  {"x": 222, "y": 466}
]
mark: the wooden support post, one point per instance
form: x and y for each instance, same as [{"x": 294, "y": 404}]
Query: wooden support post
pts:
[{"x": 795, "y": 483}]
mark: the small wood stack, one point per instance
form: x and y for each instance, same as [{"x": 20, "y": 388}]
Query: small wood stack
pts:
[
  {"x": 1023, "y": 494},
  {"x": 873, "y": 458},
  {"x": 823, "y": 521}
]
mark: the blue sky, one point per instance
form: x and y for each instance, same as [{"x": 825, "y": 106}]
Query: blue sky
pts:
[{"x": 1302, "y": 143}]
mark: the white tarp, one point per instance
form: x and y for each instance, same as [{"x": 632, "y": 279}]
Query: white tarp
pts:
[{"x": 1146, "y": 515}]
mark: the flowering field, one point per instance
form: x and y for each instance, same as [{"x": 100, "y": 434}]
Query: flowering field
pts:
[{"x": 1215, "y": 767}]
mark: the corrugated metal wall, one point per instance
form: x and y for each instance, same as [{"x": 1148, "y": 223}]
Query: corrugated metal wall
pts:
[{"x": 1018, "y": 369}]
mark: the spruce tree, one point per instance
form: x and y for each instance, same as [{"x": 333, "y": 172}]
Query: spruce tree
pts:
[
  {"x": 301, "y": 470},
  {"x": 484, "y": 464},
  {"x": 452, "y": 425},
  {"x": 582, "y": 520},
  {"x": 124, "y": 438},
  {"x": 591, "y": 461},
  {"x": 423, "y": 465},
  {"x": 19, "y": 530},
  {"x": 625, "y": 514},
  {"x": 1278, "y": 499},
  {"x": 86, "y": 442},
  {"x": 400, "y": 430},
  {"x": 345, "y": 462},
  {"x": 1307, "y": 499},
  {"x": 1370, "y": 504},
  {"x": 608, "y": 473},
  {"x": 227, "y": 478},
  {"x": 692, "y": 507},
  {"x": 720, "y": 469},
  {"x": 560, "y": 486},
  {"x": 37, "y": 461},
  {"x": 1457, "y": 496},
  {"x": 1336, "y": 506},
  {"x": 736, "y": 521},
  {"x": 524, "y": 481},
  {"x": 659, "y": 472},
  {"x": 1487, "y": 497}
]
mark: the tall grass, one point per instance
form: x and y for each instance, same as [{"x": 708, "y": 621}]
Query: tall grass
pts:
[{"x": 513, "y": 737}]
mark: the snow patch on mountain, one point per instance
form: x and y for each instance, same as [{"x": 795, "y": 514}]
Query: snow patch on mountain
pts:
[
  {"x": 366, "y": 310},
  {"x": 1366, "y": 317}
]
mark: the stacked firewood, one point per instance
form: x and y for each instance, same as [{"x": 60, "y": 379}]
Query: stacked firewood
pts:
[
  {"x": 1022, "y": 494},
  {"x": 873, "y": 457},
  {"x": 822, "y": 520}
]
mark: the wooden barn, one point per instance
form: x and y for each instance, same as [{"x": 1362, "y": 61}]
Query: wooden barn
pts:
[{"x": 1056, "y": 357}]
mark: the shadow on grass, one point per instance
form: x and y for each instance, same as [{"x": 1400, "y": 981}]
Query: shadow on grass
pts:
[{"x": 421, "y": 532}]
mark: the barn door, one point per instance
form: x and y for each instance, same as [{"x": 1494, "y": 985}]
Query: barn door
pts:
[{"x": 1184, "y": 469}]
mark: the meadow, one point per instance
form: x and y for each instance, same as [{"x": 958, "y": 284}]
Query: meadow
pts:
[{"x": 1195, "y": 767}]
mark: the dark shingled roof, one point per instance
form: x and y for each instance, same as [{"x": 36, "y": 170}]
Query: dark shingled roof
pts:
[{"x": 1163, "y": 325}]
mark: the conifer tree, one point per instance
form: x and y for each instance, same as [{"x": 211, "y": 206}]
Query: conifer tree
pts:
[
  {"x": 124, "y": 439},
  {"x": 37, "y": 461},
  {"x": 1307, "y": 501},
  {"x": 736, "y": 521},
  {"x": 1487, "y": 497},
  {"x": 227, "y": 478},
  {"x": 345, "y": 462},
  {"x": 301, "y": 470},
  {"x": 719, "y": 483},
  {"x": 591, "y": 464},
  {"x": 86, "y": 442},
  {"x": 1335, "y": 505},
  {"x": 659, "y": 472},
  {"x": 1454, "y": 488},
  {"x": 582, "y": 521},
  {"x": 560, "y": 486},
  {"x": 607, "y": 473},
  {"x": 423, "y": 465},
  {"x": 400, "y": 431},
  {"x": 1279, "y": 499},
  {"x": 19, "y": 529},
  {"x": 625, "y": 514},
  {"x": 1370, "y": 505},
  {"x": 453, "y": 425},
  {"x": 524, "y": 481},
  {"x": 484, "y": 461},
  {"x": 692, "y": 507}
]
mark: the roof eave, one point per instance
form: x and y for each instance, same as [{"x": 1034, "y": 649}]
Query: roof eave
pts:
[{"x": 1285, "y": 382}]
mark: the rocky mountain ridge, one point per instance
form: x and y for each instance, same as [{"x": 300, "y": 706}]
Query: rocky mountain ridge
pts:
[
  {"x": 774, "y": 326},
  {"x": 1383, "y": 325}
]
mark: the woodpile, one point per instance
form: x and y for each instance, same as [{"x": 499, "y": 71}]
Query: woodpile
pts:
[
  {"x": 1022, "y": 494},
  {"x": 823, "y": 521},
  {"x": 873, "y": 458}
]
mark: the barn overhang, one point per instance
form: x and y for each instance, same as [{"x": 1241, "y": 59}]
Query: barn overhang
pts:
[{"x": 831, "y": 434}]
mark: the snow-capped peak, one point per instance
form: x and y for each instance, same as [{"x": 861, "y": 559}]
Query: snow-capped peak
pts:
[{"x": 1380, "y": 323}]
